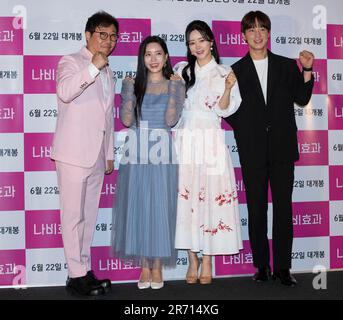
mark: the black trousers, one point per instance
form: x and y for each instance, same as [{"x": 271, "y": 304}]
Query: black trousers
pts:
[{"x": 281, "y": 179}]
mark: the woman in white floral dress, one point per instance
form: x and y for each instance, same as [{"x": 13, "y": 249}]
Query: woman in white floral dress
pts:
[{"x": 207, "y": 215}]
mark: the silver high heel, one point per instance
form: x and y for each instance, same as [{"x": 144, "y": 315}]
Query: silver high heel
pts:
[
  {"x": 144, "y": 285},
  {"x": 157, "y": 285}
]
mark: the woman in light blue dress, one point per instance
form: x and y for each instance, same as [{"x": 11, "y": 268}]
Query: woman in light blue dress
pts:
[{"x": 144, "y": 212}]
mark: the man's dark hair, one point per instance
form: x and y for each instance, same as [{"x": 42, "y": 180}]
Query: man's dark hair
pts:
[
  {"x": 249, "y": 21},
  {"x": 101, "y": 19}
]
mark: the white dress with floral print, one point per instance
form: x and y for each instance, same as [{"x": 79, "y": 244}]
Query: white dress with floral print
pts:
[{"x": 207, "y": 215}]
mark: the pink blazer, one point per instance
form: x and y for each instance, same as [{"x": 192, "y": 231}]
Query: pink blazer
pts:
[{"x": 84, "y": 115}]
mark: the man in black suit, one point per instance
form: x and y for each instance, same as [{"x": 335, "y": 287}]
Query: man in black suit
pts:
[{"x": 266, "y": 135}]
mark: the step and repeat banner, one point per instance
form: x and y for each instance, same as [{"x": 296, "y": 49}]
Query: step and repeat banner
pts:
[{"x": 33, "y": 37}]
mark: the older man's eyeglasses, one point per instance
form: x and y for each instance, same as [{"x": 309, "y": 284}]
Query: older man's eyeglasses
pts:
[{"x": 104, "y": 35}]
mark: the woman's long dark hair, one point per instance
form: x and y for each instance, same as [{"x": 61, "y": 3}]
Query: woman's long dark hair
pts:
[
  {"x": 141, "y": 79},
  {"x": 207, "y": 34}
]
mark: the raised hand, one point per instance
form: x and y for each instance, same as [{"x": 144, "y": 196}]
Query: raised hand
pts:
[
  {"x": 175, "y": 77},
  {"x": 100, "y": 60},
  {"x": 230, "y": 81},
  {"x": 306, "y": 59}
]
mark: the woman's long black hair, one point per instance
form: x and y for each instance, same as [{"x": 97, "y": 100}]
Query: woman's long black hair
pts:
[
  {"x": 141, "y": 79},
  {"x": 207, "y": 34}
]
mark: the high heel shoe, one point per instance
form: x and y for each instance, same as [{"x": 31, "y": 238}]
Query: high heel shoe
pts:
[
  {"x": 157, "y": 275},
  {"x": 157, "y": 285},
  {"x": 144, "y": 285},
  {"x": 205, "y": 279},
  {"x": 193, "y": 279}
]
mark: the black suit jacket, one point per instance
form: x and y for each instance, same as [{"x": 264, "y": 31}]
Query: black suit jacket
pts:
[{"x": 268, "y": 132}]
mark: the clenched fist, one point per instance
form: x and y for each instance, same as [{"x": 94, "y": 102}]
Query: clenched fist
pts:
[
  {"x": 230, "y": 81},
  {"x": 175, "y": 77},
  {"x": 306, "y": 59},
  {"x": 100, "y": 60}
]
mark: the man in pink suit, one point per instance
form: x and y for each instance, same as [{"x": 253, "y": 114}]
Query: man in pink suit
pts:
[{"x": 83, "y": 146}]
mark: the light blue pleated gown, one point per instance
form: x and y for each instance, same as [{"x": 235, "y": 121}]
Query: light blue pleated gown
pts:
[{"x": 144, "y": 212}]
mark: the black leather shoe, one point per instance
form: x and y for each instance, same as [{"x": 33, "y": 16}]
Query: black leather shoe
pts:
[
  {"x": 105, "y": 283},
  {"x": 285, "y": 277},
  {"x": 262, "y": 274},
  {"x": 84, "y": 287}
]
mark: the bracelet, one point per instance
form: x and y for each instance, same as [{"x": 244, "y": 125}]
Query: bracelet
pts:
[{"x": 307, "y": 69}]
